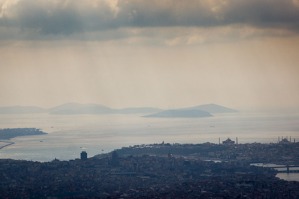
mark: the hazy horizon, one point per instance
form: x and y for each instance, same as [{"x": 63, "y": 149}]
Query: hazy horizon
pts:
[
  {"x": 138, "y": 53},
  {"x": 241, "y": 110},
  {"x": 77, "y": 103}
]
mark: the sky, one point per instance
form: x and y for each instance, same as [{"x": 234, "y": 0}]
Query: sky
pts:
[{"x": 160, "y": 53}]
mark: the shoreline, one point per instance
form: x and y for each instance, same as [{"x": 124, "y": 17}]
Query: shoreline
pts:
[{"x": 6, "y": 145}]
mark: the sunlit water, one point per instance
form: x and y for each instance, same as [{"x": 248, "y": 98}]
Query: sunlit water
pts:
[
  {"x": 288, "y": 176},
  {"x": 283, "y": 175},
  {"x": 69, "y": 135}
]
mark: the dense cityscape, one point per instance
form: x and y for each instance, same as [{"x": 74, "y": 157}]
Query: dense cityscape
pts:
[
  {"x": 157, "y": 171},
  {"x": 161, "y": 99}
]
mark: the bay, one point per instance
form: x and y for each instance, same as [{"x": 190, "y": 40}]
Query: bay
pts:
[{"x": 68, "y": 135}]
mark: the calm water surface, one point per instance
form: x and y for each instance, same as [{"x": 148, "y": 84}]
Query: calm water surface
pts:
[
  {"x": 288, "y": 176},
  {"x": 283, "y": 176},
  {"x": 69, "y": 135}
]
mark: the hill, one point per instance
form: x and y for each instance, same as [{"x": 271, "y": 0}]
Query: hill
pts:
[
  {"x": 76, "y": 108},
  {"x": 212, "y": 108}
]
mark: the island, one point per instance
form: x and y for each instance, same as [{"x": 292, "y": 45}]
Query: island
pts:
[{"x": 94, "y": 109}]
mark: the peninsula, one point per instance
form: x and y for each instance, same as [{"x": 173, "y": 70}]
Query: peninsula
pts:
[{"x": 6, "y": 134}]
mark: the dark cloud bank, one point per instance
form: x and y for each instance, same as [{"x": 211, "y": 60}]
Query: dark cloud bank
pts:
[{"x": 51, "y": 17}]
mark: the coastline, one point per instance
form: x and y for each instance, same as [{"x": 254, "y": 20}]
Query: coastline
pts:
[
  {"x": 6, "y": 145},
  {"x": 9, "y": 133}
]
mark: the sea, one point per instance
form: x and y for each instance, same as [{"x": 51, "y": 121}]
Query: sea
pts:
[{"x": 68, "y": 135}]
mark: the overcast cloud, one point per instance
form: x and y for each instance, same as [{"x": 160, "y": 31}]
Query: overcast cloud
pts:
[
  {"x": 163, "y": 53},
  {"x": 31, "y": 19}
]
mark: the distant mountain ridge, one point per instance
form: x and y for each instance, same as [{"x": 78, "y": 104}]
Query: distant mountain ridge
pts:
[
  {"x": 212, "y": 108},
  {"x": 76, "y": 108},
  {"x": 205, "y": 110}
]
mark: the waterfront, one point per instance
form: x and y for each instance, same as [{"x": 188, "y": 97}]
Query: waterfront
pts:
[
  {"x": 155, "y": 169},
  {"x": 282, "y": 171},
  {"x": 68, "y": 135}
]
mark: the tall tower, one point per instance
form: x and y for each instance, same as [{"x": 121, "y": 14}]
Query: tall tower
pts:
[{"x": 83, "y": 155}]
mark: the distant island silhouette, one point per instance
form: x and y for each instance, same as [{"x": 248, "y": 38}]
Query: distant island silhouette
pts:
[
  {"x": 212, "y": 108},
  {"x": 205, "y": 110}
]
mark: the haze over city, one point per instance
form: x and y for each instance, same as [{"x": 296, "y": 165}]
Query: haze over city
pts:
[
  {"x": 166, "y": 53},
  {"x": 149, "y": 99}
]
